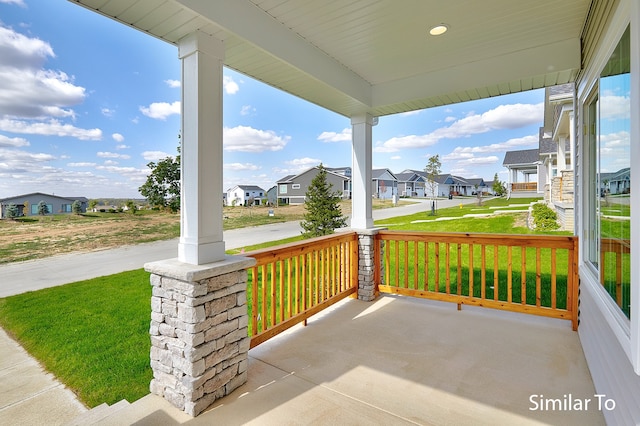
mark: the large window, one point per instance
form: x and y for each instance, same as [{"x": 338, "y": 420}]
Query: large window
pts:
[{"x": 608, "y": 208}]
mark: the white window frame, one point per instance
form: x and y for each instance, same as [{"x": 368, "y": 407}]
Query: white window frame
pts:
[{"x": 627, "y": 331}]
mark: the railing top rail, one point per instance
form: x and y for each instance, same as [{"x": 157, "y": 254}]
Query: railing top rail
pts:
[
  {"x": 553, "y": 241},
  {"x": 301, "y": 247}
]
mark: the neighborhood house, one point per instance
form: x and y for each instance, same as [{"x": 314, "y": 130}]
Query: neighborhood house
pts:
[{"x": 27, "y": 204}]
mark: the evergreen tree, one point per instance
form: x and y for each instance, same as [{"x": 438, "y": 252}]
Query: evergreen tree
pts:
[
  {"x": 76, "y": 207},
  {"x": 323, "y": 214},
  {"x": 12, "y": 211},
  {"x": 43, "y": 209},
  {"x": 498, "y": 187}
]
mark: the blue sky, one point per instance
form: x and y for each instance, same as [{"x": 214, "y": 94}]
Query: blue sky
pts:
[{"x": 86, "y": 103}]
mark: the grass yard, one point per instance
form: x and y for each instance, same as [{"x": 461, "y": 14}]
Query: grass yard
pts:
[{"x": 93, "y": 335}]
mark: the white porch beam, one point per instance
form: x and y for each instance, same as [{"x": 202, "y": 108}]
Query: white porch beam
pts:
[
  {"x": 538, "y": 61},
  {"x": 201, "y": 239},
  {"x": 361, "y": 159},
  {"x": 252, "y": 24}
]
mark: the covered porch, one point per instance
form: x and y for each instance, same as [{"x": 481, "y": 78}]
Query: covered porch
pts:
[{"x": 403, "y": 360}]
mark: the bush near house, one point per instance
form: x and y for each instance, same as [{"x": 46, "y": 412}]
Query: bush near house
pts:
[{"x": 544, "y": 218}]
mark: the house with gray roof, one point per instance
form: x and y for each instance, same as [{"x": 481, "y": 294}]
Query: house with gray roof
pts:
[
  {"x": 244, "y": 195},
  {"x": 385, "y": 184},
  {"x": 292, "y": 189},
  {"x": 27, "y": 204},
  {"x": 524, "y": 167}
]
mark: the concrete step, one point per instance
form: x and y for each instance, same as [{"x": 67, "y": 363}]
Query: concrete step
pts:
[
  {"x": 149, "y": 410},
  {"x": 99, "y": 413}
]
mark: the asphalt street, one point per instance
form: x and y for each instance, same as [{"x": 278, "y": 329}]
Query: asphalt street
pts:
[{"x": 20, "y": 277}]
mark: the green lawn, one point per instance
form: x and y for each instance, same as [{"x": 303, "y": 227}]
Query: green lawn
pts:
[{"x": 93, "y": 335}]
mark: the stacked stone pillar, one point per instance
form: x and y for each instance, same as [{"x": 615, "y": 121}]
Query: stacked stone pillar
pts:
[
  {"x": 366, "y": 264},
  {"x": 199, "y": 339}
]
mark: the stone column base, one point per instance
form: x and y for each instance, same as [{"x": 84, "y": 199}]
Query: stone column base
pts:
[
  {"x": 199, "y": 334},
  {"x": 366, "y": 263}
]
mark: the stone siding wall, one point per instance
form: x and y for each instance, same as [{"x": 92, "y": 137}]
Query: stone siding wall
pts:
[
  {"x": 199, "y": 338},
  {"x": 366, "y": 270}
]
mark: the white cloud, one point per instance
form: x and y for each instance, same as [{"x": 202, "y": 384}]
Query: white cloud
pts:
[
  {"x": 479, "y": 161},
  {"x": 117, "y": 137},
  {"x": 511, "y": 116},
  {"x": 105, "y": 154},
  {"x": 16, "y": 2},
  {"x": 230, "y": 86},
  {"x": 155, "y": 155},
  {"x": 161, "y": 110},
  {"x": 27, "y": 90},
  {"x": 241, "y": 166},
  {"x": 122, "y": 146},
  {"x": 81, "y": 164},
  {"x": 343, "y": 136},
  {"x": 615, "y": 107},
  {"x": 131, "y": 173},
  {"x": 409, "y": 113},
  {"x": 297, "y": 165},
  {"x": 107, "y": 112},
  {"x": 49, "y": 128},
  {"x": 396, "y": 157},
  {"x": 247, "y": 110},
  {"x": 248, "y": 139},
  {"x": 174, "y": 84},
  {"x": 449, "y": 119},
  {"x": 6, "y": 141},
  {"x": 110, "y": 163}
]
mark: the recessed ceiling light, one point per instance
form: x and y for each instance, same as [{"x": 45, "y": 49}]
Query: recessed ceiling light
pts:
[{"x": 439, "y": 29}]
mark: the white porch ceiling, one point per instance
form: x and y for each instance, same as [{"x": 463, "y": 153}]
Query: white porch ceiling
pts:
[{"x": 375, "y": 56}]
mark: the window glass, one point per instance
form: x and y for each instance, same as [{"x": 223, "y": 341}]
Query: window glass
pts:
[{"x": 609, "y": 244}]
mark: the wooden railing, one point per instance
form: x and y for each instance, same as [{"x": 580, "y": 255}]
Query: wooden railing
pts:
[
  {"x": 521, "y": 273},
  {"x": 615, "y": 256},
  {"x": 290, "y": 283},
  {"x": 524, "y": 186}
]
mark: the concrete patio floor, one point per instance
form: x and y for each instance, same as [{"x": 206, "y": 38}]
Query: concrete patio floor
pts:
[{"x": 401, "y": 360}]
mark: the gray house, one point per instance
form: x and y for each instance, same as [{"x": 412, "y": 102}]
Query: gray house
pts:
[
  {"x": 385, "y": 183},
  {"x": 28, "y": 204},
  {"x": 524, "y": 169},
  {"x": 410, "y": 184},
  {"x": 292, "y": 189}
]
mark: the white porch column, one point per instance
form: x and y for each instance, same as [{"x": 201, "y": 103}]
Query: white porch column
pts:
[
  {"x": 361, "y": 148},
  {"x": 201, "y": 239},
  {"x": 572, "y": 140},
  {"x": 562, "y": 156}
]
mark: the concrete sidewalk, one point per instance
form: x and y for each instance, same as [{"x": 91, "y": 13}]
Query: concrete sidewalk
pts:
[{"x": 28, "y": 394}]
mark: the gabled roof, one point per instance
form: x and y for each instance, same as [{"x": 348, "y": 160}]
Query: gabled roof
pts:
[
  {"x": 247, "y": 188},
  {"x": 409, "y": 177},
  {"x": 476, "y": 181},
  {"x": 546, "y": 146},
  {"x": 522, "y": 157},
  {"x": 292, "y": 178},
  {"x": 378, "y": 173},
  {"x": 22, "y": 196}
]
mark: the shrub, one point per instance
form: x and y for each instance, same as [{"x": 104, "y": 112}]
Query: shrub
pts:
[{"x": 544, "y": 218}]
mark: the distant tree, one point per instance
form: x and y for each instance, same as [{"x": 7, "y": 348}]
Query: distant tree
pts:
[
  {"x": 498, "y": 187},
  {"x": 93, "y": 204},
  {"x": 162, "y": 188},
  {"x": 43, "y": 209},
  {"x": 433, "y": 171},
  {"x": 131, "y": 206},
  {"x": 76, "y": 207},
  {"x": 323, "y": 214},
  {"x": 12, "y": 211}
]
